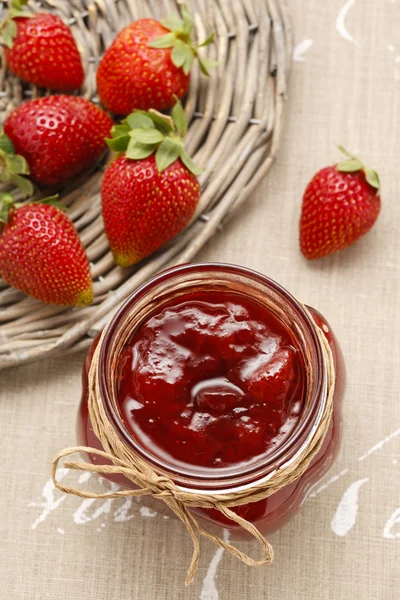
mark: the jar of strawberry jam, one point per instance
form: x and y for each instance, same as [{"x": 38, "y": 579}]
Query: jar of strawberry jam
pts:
[{"x": 219, "y": 382}]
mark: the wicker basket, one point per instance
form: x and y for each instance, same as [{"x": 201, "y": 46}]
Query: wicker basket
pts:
[{"x": 235, "y": 127}]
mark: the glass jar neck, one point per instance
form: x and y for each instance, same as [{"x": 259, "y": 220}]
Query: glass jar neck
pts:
[{"x": 188, "y": 279}]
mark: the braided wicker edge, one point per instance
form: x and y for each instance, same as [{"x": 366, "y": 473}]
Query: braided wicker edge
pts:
[{"x": 236, "y": 121}]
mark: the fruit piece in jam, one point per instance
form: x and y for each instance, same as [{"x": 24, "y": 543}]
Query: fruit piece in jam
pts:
[{"x": 212, "y": 380}]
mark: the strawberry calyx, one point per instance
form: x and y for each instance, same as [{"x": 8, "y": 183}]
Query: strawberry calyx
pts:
[
  {"x": 8, "y": 27},
  {"x": 8, "y": 204},
  {"x": 14, "y": 170},
  {"x": 179, "y": 38},
  {"x": 144, "y": 133},
  {"x": 7, "y": 200},
  {"x": 14, "y": 167},
  {"x": 352, "y": 164}
]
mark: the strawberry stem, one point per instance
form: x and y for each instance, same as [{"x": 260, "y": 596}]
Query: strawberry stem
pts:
[{"x": 346, "y": 152}]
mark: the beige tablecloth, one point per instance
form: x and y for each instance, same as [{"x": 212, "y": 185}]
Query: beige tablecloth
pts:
[{"x": 345, "y": 542}]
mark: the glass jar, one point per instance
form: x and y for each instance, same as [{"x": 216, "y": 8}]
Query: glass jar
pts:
[{"x": 273, "y": 512}]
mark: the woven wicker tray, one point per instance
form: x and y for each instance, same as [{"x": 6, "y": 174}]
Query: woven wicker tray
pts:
[{"x": 235, "y": 127}]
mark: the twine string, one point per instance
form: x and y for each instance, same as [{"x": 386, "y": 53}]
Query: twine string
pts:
[
  {"x": 124, "y": 460},
  {"x": 168, "y": 495}
]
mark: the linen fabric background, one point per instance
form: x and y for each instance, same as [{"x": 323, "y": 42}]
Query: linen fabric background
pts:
[{"x": 345, "y": 542}]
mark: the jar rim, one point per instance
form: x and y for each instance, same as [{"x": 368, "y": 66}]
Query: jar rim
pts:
[{"x": 281, "y": 456}]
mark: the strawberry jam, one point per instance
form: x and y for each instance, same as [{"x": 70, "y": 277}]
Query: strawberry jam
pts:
[
  {"x": 212, "y": 379},
  {"x": 214, "y": 375}
]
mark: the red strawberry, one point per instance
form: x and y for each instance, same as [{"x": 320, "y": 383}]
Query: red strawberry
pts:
[
  {"x": 60, "y": 136},
  {"x": 147, "y": 199},
  {"x": 41, "y": 49},
  {"x": 148, "y": 64},
  {"x": 340, "y": 204},
  {"x": 41, "y": 254}
]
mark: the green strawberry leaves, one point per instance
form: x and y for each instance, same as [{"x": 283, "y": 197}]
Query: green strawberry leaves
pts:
[
  {"x": 142, "y": 134},
  {"x": 208, "y": 40},
  {"x": 8, "y": 26},
  {"x": 17, "y": 9},
  {"x": 179, "y": 118},
  {"x": 164, "y": 123},
  {"x": 179, "y": 38},
  {"x": 167, "y": 153},
  {"x": 350, "y": 166},
  {"x": 179, "y": 26},
  {"x": 187, "y": 19},
  {"x": 173, "y": 22},
  {"x": 170, "y": 150},
  {"x": 120, "y": 137},
  {"x": 8, "y": 32},
  {"x": 373, "y": 178},
  {"x": 353, "y": 164},
  {"x": 24, "y": 185},
  {"x": 137, "y": 151},
  {"x": 181, "y": 53},
  {"x": 139, "y": 119},
  {"x": 206, "y": 64},
  {"x": 147, "y": 136},
  {"x": 150, "y": 125},
  {"x": 6, "y": 144},
  {"x": 189, "y": 164},
  {"x": 17, "y": 164},
  {"x": 165, "y": 41},
  {"x": 6, "y": 201},
  {"x": 13, "y": 167},
  {"x": 52, "y": 201}
]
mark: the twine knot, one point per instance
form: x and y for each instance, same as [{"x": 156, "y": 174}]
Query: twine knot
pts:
[{"x": 123, "y": 460}]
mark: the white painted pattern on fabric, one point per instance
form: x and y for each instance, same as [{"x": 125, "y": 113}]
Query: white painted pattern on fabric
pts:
[
  {"x": 81, "y": 515},
  {"x": 145, "y": 511},
  {"x": 388, "y": 534},
  {"x": 380, "y": 444},
  {"x": 301, "y": 49},
  {"x": 340, "y": 21},
  {"x": 121, "y": 515},
  {"x": 50, "y": 503},
  {"x": 209, "y": 590},
  {"x": 346, "y": 513}
]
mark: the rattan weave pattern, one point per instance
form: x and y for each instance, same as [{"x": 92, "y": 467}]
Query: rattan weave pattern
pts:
[{"x": 235, "y": 119}]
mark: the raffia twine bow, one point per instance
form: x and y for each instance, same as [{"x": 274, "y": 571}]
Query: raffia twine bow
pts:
[{"x": 149, "y": 483}]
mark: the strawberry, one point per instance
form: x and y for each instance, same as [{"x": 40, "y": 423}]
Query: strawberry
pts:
[
  {"x": 148, "y": 64},
  {"x": 41, "y": 253},
  {"x": 340, "y": 204},
  {"x": 41, "y": 49},
  {"x": 60, "y": 136},
  {"x": 150, "y": 192}
]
